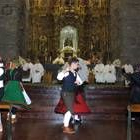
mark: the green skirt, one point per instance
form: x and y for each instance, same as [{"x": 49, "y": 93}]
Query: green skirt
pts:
[{"x": 13, "y": 94}]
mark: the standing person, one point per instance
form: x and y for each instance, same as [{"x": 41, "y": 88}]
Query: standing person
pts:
[
  {"x": 109, "y": 73},
  {"x": 80, "y": 107},
  {"x": 128, "y": 69},
  {"x": 99, "y": 72},
  {"x": 37, "y": 71},
  {"x": 70, "y": 81},
  {"x": 134, "y": 79},
  {"x": 13, "y": 90},
  {"x": 83, "y": 72},
  {"x": 27, "y": 68},
  {"x": 1, "y": 87}
]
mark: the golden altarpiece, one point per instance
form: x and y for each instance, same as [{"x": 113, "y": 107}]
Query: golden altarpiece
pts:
[{"x": 67, "y": 27}]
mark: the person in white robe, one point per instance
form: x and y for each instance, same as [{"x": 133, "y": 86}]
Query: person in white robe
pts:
[
  {"x": 27, "y": 66},
  {"x": 128, "y": 69},
  {"x": 37, "y": 72},
  {"x": 99, "y": 72},
  {"x": 109, "y": 73}
]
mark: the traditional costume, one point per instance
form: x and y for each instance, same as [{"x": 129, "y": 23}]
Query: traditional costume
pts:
[
  {"x": 79, "y": 106},
  {"x": 14, "y": 93},
  {"x": 70, "y": 79},
  {"x": 66, "y": 104}
]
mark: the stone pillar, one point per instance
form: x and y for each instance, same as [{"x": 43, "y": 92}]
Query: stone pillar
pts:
[
  {"x": 130, "y": 23},
  {"x": 115, "y": 28},
  {"x": 8, "y": 28}
]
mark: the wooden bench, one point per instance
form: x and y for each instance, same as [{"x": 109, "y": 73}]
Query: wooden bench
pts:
[
  {"x": 131, "y": 108},
  {"x": 4, "y": 106}
]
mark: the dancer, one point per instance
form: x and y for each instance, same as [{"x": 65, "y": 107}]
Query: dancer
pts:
[
  {"x": 80, "y": 107},
  {"x": 70, "y": 81},
  {"x": 14, "y": 92}
]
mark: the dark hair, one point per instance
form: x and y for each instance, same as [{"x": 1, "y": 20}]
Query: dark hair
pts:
[{"x": 73, "y": 60}]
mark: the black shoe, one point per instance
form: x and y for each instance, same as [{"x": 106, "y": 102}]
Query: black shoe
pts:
[
  {"x": 78, "y": 122},
  {"x": 71, "y": 120}
]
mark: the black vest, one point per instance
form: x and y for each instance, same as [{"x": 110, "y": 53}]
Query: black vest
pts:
[{"x": 69, "y": 82}]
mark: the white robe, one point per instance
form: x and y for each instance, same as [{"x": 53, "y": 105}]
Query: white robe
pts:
[
  {"x": 128, "y": 68},
  {"x": 99, "y": 73},
  {"x": 110, "y": 73},
  {"x": 37, "y": 72},
  {"x": 26, "y": 67}
]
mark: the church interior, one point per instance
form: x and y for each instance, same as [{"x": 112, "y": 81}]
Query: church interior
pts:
[{"x": 103, "y": 35}]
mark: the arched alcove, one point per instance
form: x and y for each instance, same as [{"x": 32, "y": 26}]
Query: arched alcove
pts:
[{"x": 68, "y": 41}]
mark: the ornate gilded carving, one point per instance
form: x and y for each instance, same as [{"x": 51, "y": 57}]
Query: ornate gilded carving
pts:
[{"x": 91, "y": 18}]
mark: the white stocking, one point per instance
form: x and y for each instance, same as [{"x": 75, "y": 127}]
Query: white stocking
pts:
[{"x": 67, "y": 117}]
